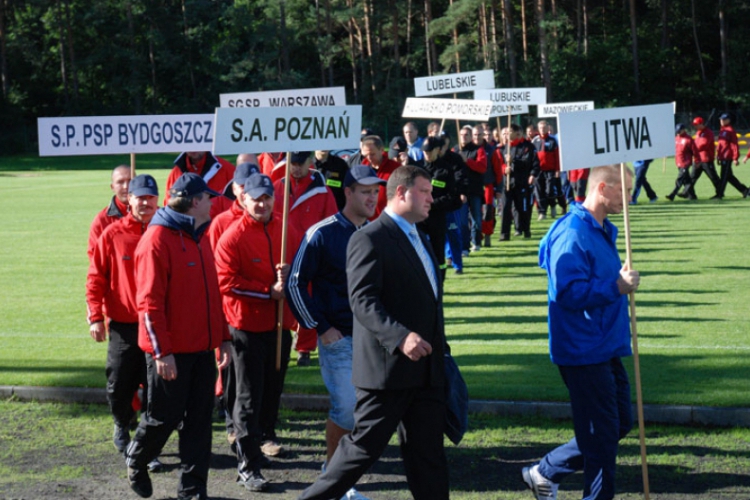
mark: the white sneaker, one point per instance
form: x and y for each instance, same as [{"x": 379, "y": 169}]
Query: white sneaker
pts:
[
  {"x": 540, "y": 486},
  {"x": 353, "y": 494},
  {"x": 542, "y": 216},
  {"x": 475, "y": 247},
  {"x": 553, "y": 212}
]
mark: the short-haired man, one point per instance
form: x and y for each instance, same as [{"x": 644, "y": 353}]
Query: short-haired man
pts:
[
  {"x": 116, "y": 209},
  {"x": 414, "y": 142},
  {"x": 374, "y": 155},
  {"x": 727, "y": 152},
  {"x": 111, "y": 284},
  {"x": 704, "y": 143},
  {"x": 399, "y": 342},
  {"x": 310, "y": 201},
  {"x": 321, "y": 260},
  {"x": 180, "y": 325},
  {"x": 215, "y": 171},
  {"x": 251, "y": 279},
  {"x": 589, "y": 331},
  {"x": 548, "y": 188}
]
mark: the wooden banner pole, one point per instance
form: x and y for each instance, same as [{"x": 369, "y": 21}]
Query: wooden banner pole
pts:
[
  {"x": 634, "y": 330},
  {"x": 284, "y": 226},
  {"x": 132, "y": 165}
]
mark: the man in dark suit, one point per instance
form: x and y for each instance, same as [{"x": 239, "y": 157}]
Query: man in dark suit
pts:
[{"x": 399, "y": 341}]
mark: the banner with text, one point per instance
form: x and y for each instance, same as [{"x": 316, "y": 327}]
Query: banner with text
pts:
[
  {"x": 108, "y": 135},
  {"x": 615, "y": 135},
  {"x": 457, "y": 82},
  {"x": 450, "y": 109},
  {"x": 325, "y": 96},
  {"x": 551, "y": 110},
  {"x": 258, "y": 130}
]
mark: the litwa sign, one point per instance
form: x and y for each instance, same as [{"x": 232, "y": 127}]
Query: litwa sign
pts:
[{"x": 615, "y": 135}]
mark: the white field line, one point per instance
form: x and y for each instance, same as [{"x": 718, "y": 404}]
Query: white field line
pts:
[{"x": 641, "y": 345}]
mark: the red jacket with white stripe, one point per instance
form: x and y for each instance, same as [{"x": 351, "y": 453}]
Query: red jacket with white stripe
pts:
[
  {"x": 729, "y": 148},
  {"x": 246, "y": 258},
  {"x": 111, "y": 278},
  {"x": 113, "y": 212},
  {"x": 685, "y": 151},
  {"x": 222, "y": 222},
  {"x": 216, "y": 171},
  {"x": 178, "y": 299},
  {"x": 310, "y": 200}
]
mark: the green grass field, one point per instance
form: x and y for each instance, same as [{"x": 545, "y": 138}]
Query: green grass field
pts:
[{"x": 692, "y": 307}]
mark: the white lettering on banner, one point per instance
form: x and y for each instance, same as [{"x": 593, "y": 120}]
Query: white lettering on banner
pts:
[
  {"x": 255, "y": 130},
  {"x": 124, "y": 134},
  {"x": 551, "y": 110},
  {"x": 459, "y": 109},
  {"x": 615, "y": 135},
  {"x": 457, "y": 82},
  {"x": 315, "y": 97},
  {"x": 533, "y": 96}
]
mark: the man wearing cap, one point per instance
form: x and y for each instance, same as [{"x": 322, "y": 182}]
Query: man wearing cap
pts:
[
  {"x": 232, "y": 191},
  {"x": 181, "y": 323},
  {"x": 445, "y": 197},
  {"x": 251, "y": 279},
  {"x": 373, "y": 154},
  {"x": 321, "y": 260},
  {"x": 685, "y": 153},
  {"x": 215, "y": 171},
  {"x": 704, "y": 143},
  {"x": 310, "y": 201},
  {"x": 334, "y": 170},
  {"x": 116, "y": 209},
  {"x": 728, "y": 152},
  {"x": 399, "y": 344},
  {"x": 111, "y": 284}
]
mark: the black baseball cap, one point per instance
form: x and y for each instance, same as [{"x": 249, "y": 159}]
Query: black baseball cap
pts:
[
  {"x": 362, "y": 174},
  {"x": 300, "y": 156},
  {"x": 143, "y": 185},
  {"x": 258, "y": 185},
  {"x": 431, "y": 143},
  {"x": 397, "y": 145},
  {"x": 241, "y": 174},
  {"x": 190, "y": 184},
  {"x": 679, "y": 128}
]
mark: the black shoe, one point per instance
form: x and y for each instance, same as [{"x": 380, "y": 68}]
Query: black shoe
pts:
[
  {"x": 746, "y": 193},
  {"x": 717, "y": 197},
  {"x": 303, "y": 359},
  {"x": 121, "y": 438},
  {"x": 683, "y": 195},
  {"x": 459, "y": 271},
  {"x": 194, "y": 496},
  {"x": 527, "y": 236},
  {"x": 253, "y": 481},
  {"x": 140, "y": 483},
  {"x": 670, "y": 197},
  {"x": 155, "y": 466}
]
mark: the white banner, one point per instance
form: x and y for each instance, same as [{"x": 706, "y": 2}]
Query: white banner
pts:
[
  {"x": 257, "y": 130},
  {"x": 615, "y": 135},
  {"x": 325, "y": 96},
  {"x": 552, "y": 110},
  {"x": 450, "y": 109},
  {"x": 457, "y": 82},
  {"x": 531, "y": 95},
  {"x": 509, "y": 109},
  {"x": 108, "y": 135}
]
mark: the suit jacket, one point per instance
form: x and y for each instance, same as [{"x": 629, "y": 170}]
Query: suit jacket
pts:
[{"x": 390, "y": 295}]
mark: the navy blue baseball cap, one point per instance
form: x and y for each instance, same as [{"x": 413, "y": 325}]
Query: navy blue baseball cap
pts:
[
  {"x": 725, "y": 116},
  {"x": 679, "y": 128},
  {"x": 258, "y": 185},
  {"x": 241, "y": 174},
  {"x": 143, "y": 185},
  {"x": 362, "y": 174},
  {"x": 300, "y": 156},
  {"x": 190, "y": 184}
]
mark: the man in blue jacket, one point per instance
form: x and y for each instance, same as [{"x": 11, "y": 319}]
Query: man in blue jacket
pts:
[
  {"x": 589, "y": 331},
  {"x": 321, "y": 260}
]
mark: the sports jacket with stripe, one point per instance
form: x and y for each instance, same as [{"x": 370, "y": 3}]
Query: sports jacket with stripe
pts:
[
  {"x": 246, "y": 258},
  {"x": 310, "y": 200},
  {"x": 178, "y": 299}
]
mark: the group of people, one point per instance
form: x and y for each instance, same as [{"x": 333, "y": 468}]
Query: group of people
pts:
[{"x": 201, "y": 284}]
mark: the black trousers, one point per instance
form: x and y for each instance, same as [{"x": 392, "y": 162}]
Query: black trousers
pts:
[
  {"x": 258, "y": 395},
  {"x": 710, "y": 170},
  {"x": 549, "y": 191},
  {"x": 520, "y": 199},
  {"x": 727, "y": 177},
  {"x": 419, "y": 417},
  {"x": 229, "y": 383},
  {"x": 126, "y": 370},
  {"x": 684, "y": 181},
  {"x": 188, "y": 399}
]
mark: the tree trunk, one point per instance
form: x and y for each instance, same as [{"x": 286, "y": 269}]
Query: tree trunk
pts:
[
  {"x": 353, "y": 54},
  {"x": 543, "y": 54},
  {"x": 284, "y": 42},
  {"x": 368, "y": 40},
  {"x": 188, "y": 45},
  {"x": 634, "y": 46},
  {"x": 524, "y": 32},
  {"x": 493, "y": 31},
  {"x": 134, "y": 90},
  {"x": 509, "y": 39},
  {"x": 723, "y": 42},
  {"x": 483, "y": 43},
  {"x": 664, "y": 24},
  {"x": 3, "y": 55},
  {"x": 395, "y": 25},
  {"x": 318, "y": 31},
  {"x": 408, "y": 35},
  {"x": 430, "y": 45},
  {"x": 61, "y": 51},
  {"x": 152, "y": 62},
  {"x": 455, "y": 43},
  {"x": 697, "y": 43},
  {"x": 553, "y": 4},
  {"x": 71, "y": 53},
  {"x": 585, "y": 28},
  {"x": 329, "y": 32}
]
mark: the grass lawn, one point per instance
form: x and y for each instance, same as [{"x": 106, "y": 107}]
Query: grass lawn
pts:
[{"x": 692, "y": 307}]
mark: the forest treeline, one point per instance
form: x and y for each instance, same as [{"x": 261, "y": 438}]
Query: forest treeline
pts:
[{"x": 112, "y": 57}]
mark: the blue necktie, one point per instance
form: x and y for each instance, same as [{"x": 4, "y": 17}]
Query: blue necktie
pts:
[{"x": 429, "y": 268}]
